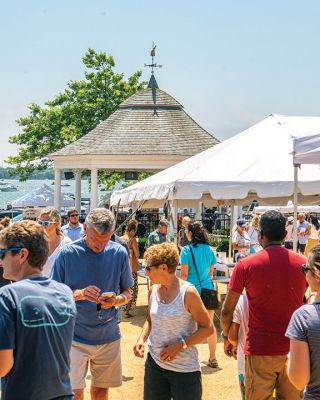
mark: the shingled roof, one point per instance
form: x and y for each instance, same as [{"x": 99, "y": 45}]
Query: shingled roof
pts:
[{"x": 150, "y": 122}]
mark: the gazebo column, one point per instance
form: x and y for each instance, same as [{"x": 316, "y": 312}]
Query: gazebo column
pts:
[
  {"x": 57, "y": 188},
  {"x": 77, "y": 174},
  {"x": 94, "y": 188}
]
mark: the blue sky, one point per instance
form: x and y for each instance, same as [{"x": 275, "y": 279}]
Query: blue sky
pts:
[{"x": 230, "y": 63}]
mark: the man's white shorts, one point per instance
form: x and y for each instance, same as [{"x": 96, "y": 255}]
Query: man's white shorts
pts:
[{"x": 105, "y": 365}]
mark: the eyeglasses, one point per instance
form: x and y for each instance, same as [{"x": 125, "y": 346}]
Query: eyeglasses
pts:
[
  {"x": 74, "y": 215},
  {"x": 305, "y": 268},
  {"x": 4, "y": 251},
  {"x": 45, "y": 223}
]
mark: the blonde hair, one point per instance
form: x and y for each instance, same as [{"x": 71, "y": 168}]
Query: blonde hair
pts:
[
  {"x": 165, "y": 253},
  {"x": 185, "y": 221},
  {"x": 255, "y": 221},
  {"x": 54, "y": 216}
]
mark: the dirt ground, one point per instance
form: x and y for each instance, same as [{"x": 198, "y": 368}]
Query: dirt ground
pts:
[{"x": 217, "y": 383}]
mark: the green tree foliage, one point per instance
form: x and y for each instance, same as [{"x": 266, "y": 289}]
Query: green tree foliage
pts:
[{"x": 71, "y": 114}]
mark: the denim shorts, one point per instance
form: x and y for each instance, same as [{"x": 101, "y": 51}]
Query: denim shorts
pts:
[{"x": 162, "y": 384}]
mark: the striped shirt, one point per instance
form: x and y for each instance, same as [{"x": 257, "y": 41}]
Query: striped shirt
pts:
[{"x": 305, "y": 326}]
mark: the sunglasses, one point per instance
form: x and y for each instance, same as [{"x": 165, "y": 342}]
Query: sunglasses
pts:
[
  {"x": 305, "y": 268},
  {"x": 45, "y": 223},
  {"x": 4, "y": 251},
  {"x": 74, "y": 215},
  {"x": 148, "y": 267}
]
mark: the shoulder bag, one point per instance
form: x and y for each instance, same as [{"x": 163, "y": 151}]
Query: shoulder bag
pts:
[{"x": 208, "y": 296}]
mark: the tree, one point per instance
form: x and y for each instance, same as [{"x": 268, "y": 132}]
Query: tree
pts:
[{"x": 71, "y": 114}]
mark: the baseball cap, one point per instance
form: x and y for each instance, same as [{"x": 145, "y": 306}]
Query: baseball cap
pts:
[
  {"x": 241, "y": 222},
  {"x": 164, "y": 222},
  {"x": 290, "y": 219}
]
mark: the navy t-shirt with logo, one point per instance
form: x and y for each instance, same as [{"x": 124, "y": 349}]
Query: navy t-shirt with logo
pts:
[{"x": 37, "y": 321}]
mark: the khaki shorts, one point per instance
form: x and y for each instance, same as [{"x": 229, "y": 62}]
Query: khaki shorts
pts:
[
  {"x": 266, "y": 373},
  {"x": 105, "y": 365}
]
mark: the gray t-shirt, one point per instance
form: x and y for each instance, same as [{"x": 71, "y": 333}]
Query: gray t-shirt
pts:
[{"x": 305, "y": 326}]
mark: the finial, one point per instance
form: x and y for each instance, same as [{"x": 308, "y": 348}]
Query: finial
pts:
[{"x": 153, "y": 64}]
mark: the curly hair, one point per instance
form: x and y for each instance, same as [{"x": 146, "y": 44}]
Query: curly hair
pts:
[
  {"x": 314, "y": 258},
  {"x": 5, "y": 221},
  {"x": 165, "y": 253},
  {"x": 199, "y": 234},
  {"x": 30, "y": 235},
  {"x": 132, "y": 225}
]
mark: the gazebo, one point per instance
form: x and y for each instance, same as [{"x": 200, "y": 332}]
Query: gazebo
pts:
[{"x": 150, "y": 131}]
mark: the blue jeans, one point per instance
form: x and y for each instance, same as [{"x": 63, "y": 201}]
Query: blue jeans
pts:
[{"x": 162, "y": 384}]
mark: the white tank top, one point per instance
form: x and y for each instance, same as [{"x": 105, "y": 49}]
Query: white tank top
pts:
[{"x": 172, "y": 322}]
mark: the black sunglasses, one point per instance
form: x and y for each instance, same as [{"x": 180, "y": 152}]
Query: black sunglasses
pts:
[
  {"x": 74, "y": 215},
  {"x": 305, "y": 268},
  {"x": 148, "y": 267},
  {"x": 4, "y": 251}
]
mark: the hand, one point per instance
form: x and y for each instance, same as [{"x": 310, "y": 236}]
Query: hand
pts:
[
  {"x": 139, "y": 349},
  {"x": 227, "y": 347},
  {"x": 91, "y": 293},
  {"x": 234, "y": 352},
  {"x": 107, "y": 302},
  {"x": 170, "y": 351}
]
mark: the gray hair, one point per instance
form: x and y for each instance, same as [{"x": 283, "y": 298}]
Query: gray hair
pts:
[{"x": 102, "y": 220}]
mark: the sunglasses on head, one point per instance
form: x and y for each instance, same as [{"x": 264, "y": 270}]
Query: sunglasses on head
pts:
[
  {"x": 74, "y": 215},
  {"x": 305, "y": 268},
  {"x": 45, "y": 223},
  {"x": 4, "y": 251}
]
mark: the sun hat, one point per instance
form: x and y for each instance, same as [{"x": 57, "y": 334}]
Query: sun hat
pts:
[{"x": 290, "y": 219}]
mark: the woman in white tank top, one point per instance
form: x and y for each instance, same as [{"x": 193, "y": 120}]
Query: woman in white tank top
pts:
[{"x": 176, "y": 322}]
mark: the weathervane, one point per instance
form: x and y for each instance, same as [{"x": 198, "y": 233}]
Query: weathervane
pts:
[{"x": 153, "y": 64}]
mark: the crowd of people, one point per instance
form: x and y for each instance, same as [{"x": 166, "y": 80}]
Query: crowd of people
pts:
[{"x": 60, "y": 310}]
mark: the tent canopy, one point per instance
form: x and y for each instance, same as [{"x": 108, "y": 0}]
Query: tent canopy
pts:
[
  {"x": 306, "y": 149},
  {"x": 43, "y": 196},
  {"x": 255, "y": 164}
]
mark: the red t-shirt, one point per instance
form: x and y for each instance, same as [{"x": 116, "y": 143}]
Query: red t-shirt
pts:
[{"x": 275, "y": 286}]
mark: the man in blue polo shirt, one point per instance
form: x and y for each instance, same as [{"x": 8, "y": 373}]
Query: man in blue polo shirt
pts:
[
  {"x": 73, "y": 229},
  {"x": 36, "y": 319},
  {"x": 91, "y": 267}
]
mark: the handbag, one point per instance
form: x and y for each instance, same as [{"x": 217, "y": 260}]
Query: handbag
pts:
[{"x": 209, "y": 297}]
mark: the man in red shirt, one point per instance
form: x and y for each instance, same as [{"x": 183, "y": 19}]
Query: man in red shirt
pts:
[{"x": 275, "y": 286}]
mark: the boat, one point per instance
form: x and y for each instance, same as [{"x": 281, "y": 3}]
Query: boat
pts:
[{"x": 8, "y": 188}]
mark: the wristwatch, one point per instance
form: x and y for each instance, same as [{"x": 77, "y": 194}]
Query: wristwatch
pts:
[{"x": 184, "y": 344}]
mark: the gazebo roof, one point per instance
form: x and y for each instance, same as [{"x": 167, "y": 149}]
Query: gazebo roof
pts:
[{"x": 150, "y": 122}]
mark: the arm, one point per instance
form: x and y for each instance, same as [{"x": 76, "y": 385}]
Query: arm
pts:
[
  {"x": 135, "y": 248},
  {"x": 233, "y": 333},
  {"x": 299, "y": 364},
  {"x": 195, "y": 307},
  {"x": 6, "y": 362},
  {"x": 211, "y": 271},
  {"x": 184, "y": 272},
  {"x": 146, "y": 329},
  {"x": 228, "y": 308}
]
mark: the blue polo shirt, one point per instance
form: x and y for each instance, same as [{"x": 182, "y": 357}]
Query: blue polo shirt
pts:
[
  {"x": 73, "y": 233},
  {"x": 78, "y": 267}
]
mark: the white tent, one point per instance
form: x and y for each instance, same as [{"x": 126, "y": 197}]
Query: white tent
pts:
[
  {"x": 289, "y": 209},
  {"x": 43, "y": 196},
  {"x": 306, "y": 149},
  {"x": 255, "y": 164}
]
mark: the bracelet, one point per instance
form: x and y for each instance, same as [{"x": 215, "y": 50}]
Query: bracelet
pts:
[
  {"x": 124, "y": 297},
  {"x": 224, "y": 337}
]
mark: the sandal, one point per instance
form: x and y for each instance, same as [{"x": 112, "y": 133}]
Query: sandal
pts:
[{"x": 213, "y": 363}]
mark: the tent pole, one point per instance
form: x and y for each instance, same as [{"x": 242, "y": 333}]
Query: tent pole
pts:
[
  {"x": 231, "y": 226},
  {"x": 295, "y": 207}
]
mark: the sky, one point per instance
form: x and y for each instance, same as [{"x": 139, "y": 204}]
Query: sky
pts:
[{"x": 230, "y": 63}]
